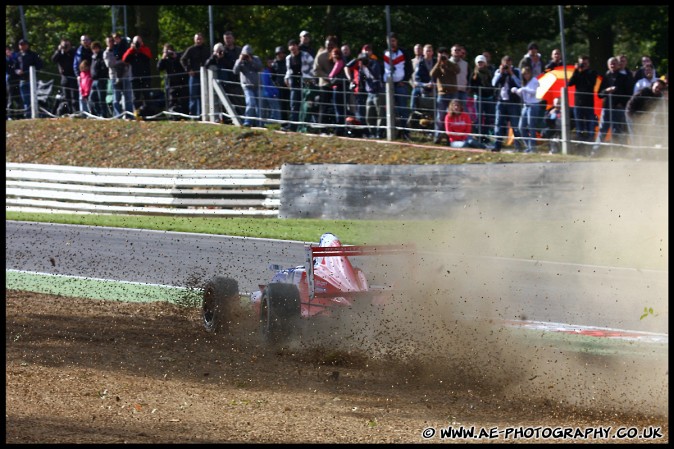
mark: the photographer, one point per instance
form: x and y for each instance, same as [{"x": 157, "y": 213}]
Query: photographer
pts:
[
  {"x": 175, "y": 81},
  {"x": 248, "y": 68},
  {"x": 444, "y": 72},
  {"x": 584, "y": 78},
  {"x": 139, "y": 57},
  {"x": 508, "y": 107},
  {"x": 63, "y": 57}
]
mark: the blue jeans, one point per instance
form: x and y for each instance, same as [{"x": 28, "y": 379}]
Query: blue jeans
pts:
[
  {"x": 485, "y": 108},
  {"x": 612, "y": 119},
  {"x": 270, "y": 108},
  {"x": 124, "y": 94},
  {"x": 99, "y": 90},
  {"x": 24, "y": 89},
  {"x": 401, "y": 99},
  {"x": 442, "y": 103},
  {"x": 252, "y": 106},
  {"x": 194, "y": 87},
  {"x": 507, "y": 112},
  {"x": 527, "y": 126}
]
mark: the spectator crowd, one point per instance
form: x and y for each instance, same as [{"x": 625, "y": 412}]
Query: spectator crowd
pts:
[{"x": 338, "y": 89}]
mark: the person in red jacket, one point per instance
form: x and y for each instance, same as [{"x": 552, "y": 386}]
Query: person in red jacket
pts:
[
  {"x": 139, "y": 57},
  {"x": 458, "y": 127}
]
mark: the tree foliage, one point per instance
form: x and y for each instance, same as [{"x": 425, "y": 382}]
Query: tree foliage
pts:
[{"x": 599, "y": 31}]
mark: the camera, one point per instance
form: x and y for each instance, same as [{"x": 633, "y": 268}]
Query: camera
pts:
[
  {"x": 444, "y": 57},
  {"x": 582, "y": 65},
  {"x": 221, "y": 52},
  {"x": 506, "y": 68},
  {"x": 137, "y": 45}
]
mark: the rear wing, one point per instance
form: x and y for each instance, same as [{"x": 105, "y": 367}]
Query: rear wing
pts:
[{"x": 314, "y": 252}]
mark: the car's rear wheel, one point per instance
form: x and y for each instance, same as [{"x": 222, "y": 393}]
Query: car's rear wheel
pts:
[
  {"x": 279, "y": 310},
  {"x": 220, "y": 294}
]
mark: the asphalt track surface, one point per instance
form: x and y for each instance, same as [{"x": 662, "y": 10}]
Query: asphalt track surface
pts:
[{"x": 547, "y": 294}]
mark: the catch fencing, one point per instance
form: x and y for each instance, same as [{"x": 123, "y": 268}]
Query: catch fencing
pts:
[{"x": 221, "y": 193}]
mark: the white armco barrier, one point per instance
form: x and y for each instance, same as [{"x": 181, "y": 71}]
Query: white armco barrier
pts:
[{"x": 59, "y": 188}]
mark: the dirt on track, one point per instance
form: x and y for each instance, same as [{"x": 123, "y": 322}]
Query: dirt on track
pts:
[{"x": 89, "y": 371}]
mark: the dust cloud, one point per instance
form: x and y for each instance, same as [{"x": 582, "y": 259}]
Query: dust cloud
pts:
[{"x": 491, "y": 265}]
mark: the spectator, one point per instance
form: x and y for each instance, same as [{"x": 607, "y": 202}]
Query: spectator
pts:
[
  {"x": 508, "y": 104},
  {"x": 584, "y": 79},
  {"x": 647, "y": 111},
  {"x": 231, "y": 82},
  {"x": 248, "y": 68},
  {"x": 322, "y": 67},
  {"x": 269, "y": 106},
  {"x": 646, "y": 80},
  {"x": 421, "y": 81},
  {"x": 120, "y": 45},
  {"x": 370, "y": 76},
  {"x": 458, "y": 127},
  {"x": 615, "y": 90},
  {"x": 100, "y": 78},
  {"x": 483, "y": 97},
  {"x": 553, "y": 125},
  {"x": 305, "y": 44},
  {"x": 555, "y": 60},
  {"x": 338, "y": 85},
  {"x": 528, "y": 120},
  {"x": 398, "y": 68},
  {"x": 490, "y": 66},
  {"x": 533, "y": 60},
  {"x": 14, "y": 102},
  {"x": 83, "y": 52},
  {"x": 63, "y": 57},
  {"x": 349, "y": 97},
  {"x": 26, "y": 59},
  {"x": 299, "y": 79},
  {"x": 192, "y": 60},
  {"x": 462, "y": 78},
  {"x": 444, "y": 72},
  {"x": 139, "y": 57},
  {"x": 418, "y": 54},
  {"x": 218, "y": 63},
  {"x": 645, "y": 61},
  {"x": 278, "y": 70},
  {"x": 85, "y": 83},
  {"x": 120, "y": 76},
  {"x": 625, "y": 69},
  {"x": 352, "y": 71},
  {"x": 175, "y": 82}
]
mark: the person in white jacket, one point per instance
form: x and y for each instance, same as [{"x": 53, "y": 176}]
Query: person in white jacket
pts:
[{"x": 530, "y": 106}]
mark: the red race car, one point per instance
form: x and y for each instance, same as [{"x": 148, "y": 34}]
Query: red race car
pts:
[{"x": 326, "y": 285}]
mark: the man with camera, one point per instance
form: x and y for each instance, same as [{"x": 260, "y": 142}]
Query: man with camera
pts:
[
  {"x": 139, "y": 57},
  {"x": 585, "y": 79},
  {"x": 63, "y": 57},
  {"x": 248, "y": 68},
  {"x": 175, "y": 81},
  {"x": 444, "y": 72},
  {"x": 508, "y": 106}
]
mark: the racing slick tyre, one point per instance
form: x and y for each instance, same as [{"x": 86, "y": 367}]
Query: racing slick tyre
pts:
[
  {"x": 279, "y": 308},
  {"x": 216, "y": 308}
]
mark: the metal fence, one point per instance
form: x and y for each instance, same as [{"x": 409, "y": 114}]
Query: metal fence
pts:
[{"x": 339, "y": 110}]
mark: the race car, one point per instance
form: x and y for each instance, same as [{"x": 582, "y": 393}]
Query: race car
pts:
[{"x": 327, "y": 283}]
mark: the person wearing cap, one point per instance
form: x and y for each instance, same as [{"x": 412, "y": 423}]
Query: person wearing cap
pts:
[
  {"x": 278, "y": 70},
  {"x": 248, "y": 68},
  {"x": 26, "y": 58},
  {"x": 305, "y": 43},
  {"x": 483, "y": 96}
]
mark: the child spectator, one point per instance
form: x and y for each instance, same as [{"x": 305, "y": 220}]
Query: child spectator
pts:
[
  {"x": 269, "y": 107},
  {"x": 85, "y": 83}
]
